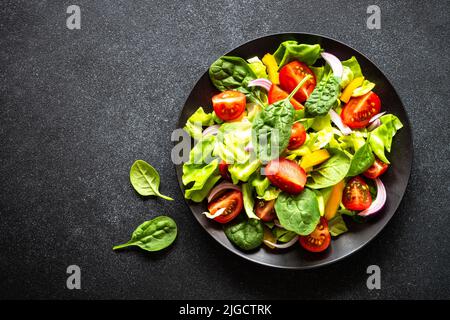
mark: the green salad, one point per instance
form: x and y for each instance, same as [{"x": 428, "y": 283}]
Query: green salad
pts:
[{"x": 292, "y": 148}]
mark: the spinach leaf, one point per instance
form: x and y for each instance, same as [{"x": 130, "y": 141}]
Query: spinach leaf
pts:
[
  {"x": 249, "y": 201},
  {"x": 323, "y": 97},
  {"x": 330, "y": 172},
  {"x": 361, "y": 161},
  {"x": 337, "y": 226},
  {"x": 298, "y": 213},
  {"x": 381, "y": 137},
  {"x": 272, "y": 127},
  {"x": 145, "y": 179},
  {"x": 292, "y": 50},
  {"x": 229, "y": 72},
  {"x": 246, "y": 234},
  {"x": 153, "y": 235}
]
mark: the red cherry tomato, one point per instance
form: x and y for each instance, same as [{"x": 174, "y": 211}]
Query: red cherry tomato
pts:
[
  {"x": 277, "y": 94},
  {"x": 291, "y": 75},
  {"x": 223, "y": 170},
  {"x": 265, "y": 210},
  {"x": 358, "y": 111},
  {"x": 232, "y": 201},
  {"x": 286, "y": 175},
  {"x": 376, "y": 170},
  {"x": 229, "y": 105},
  {"x": 356, "y": 195},
  {"x": 298, "y": 136},
  {"x": 319, "y": 239}
]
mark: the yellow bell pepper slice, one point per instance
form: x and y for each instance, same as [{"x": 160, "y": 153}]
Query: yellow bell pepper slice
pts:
[
  {"x": 334, "y": 201},
  {"x": 314, "y": 158},
  {"x": 272, "y": 68},
  {"x": 348, "y": 91}
]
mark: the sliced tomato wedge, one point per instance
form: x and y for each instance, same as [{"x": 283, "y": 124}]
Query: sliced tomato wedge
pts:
[
  {"x": 298, "y": 136},
  {"x": 319, "y": 239},
  {"x": 265, "y": 210},
  {"x": 229, "y": 105},
  {"x": 291, "y": 75},
  {"x": 356, "y": 195},
  {"x": 359, "y": 110},
  {"x": 286, "y": 175},
  {"x": 232, "y": 201},
  {"x": 377, "y": 169},
  {"x": 277, "y": 94},
  {"x": 223, "y": 170}
]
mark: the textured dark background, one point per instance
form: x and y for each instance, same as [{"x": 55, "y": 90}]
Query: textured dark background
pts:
[{"x": 78, "y": 107}]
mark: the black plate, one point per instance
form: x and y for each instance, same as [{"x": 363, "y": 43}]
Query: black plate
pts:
[{"x": 395, "y": 179}]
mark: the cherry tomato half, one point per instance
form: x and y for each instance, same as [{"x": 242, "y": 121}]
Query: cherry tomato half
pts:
[
  {"x": 286, "y": 175},
  {"x": 265, "y": 210},
  {"x": 291, "y": 75},
  {"x": 232, "y": 201},
  {"x": 277, "y": 94},
  {"x": 298, "y": 136},
  {"x": 229, "y": 105},
  {"x": 223, "y": 170},
  {"x": 356, "y": 194},
  {"x": 376, "y": 170},
  {"x": 359, "y": 110},
  {"x": 319, "y": 239}
]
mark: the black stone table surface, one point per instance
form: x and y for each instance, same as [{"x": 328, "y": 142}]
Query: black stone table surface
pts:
[{"x": 77, "y": 107}]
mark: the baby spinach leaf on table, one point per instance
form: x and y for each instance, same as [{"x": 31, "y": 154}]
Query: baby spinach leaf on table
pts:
[
  {"x": 145, "y": 179},
  {"x": 272, "y": 127},
  {"x": 228, "y": 73},
  {"x": 298, "y": 213},
  {"x": 381, "y": 137},
  {"x": 153, "y": 235},
  {"x": 292, "y": 50},
  {"x": 337, "y": 226},
  {"x": 246, "y": 234},
  {"x": 323, "y": 97},
  {"x": 361, "y": 161},
  {"x": 330, "y": 172}
]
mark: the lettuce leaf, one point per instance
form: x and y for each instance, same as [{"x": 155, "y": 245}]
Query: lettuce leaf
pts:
[
  {"x": 249, "y": 201},
  {"x": 258, "y": 68},
  {"x": 381, "y": 138},
  {"x": 354, "y": 66},
  {"x": 292, "y": 50},
  {"x": 201, "y": 169},
  {"x": 195, "y": 122}
]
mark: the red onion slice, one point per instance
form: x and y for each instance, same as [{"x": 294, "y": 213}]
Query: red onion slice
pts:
[
  {"x": 379, "y": 201},
  {"x": 377, "y": 116},
  {"x": 334, "y": 63},
  {"x": 220, "y": 187},
  {"x": 249, "y": 147},
  {"x": 374, "y": 125},
  {"x": 215, "y": 215},
  {"x": 277, "y": 223},
  {"x": 211, "y": 130},
  {"x": 261, "y": 82},
  {"x": 284, "y": 245},
  {"x": 338, "y": 122}
]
